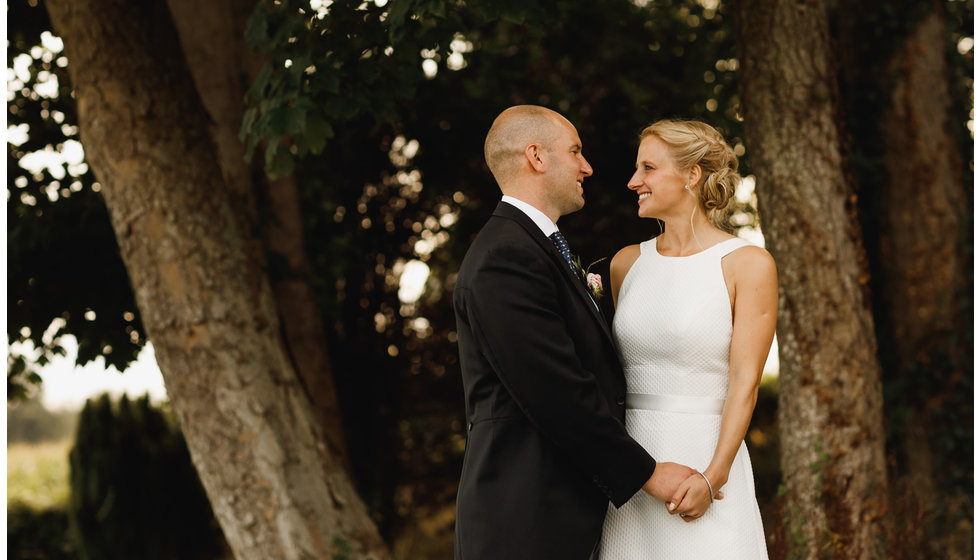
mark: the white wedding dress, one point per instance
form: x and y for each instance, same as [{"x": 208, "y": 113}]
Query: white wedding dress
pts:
[{"x": 673, "y": 326}]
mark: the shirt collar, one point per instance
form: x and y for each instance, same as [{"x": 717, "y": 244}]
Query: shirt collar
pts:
[{"x": 543, "y": 222}]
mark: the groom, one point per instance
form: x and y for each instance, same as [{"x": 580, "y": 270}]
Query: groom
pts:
[{"x": 544, "y": 391}]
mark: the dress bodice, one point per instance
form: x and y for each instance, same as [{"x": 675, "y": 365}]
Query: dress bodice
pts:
[{"x": 673, "y": 323}]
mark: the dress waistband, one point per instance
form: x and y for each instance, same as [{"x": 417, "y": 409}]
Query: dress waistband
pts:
[{"x": 675, "y": 403}]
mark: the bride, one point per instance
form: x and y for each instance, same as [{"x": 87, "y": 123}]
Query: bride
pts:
[{"x": 695, "y": 317}]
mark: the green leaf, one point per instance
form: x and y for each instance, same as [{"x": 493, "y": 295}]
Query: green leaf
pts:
[
  {"x": 341, "y": 108},
  {"x": 270, "y": 151},
  {"x": 257, "y": 29},
  {"x": 248, "y": 120},
  {"x": 298, "y": 69},
  {"x": 318, "y": 131},
  {"x": 398, "y": 17},
  {"x": 330, "y": 81},
  {"x": 287, "y": 120}
]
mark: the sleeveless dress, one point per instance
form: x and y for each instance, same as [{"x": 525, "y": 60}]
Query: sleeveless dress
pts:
[{"x": 673, "y": 327}]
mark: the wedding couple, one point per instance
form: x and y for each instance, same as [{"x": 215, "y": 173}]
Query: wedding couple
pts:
[{"x": 567, "y": 422}]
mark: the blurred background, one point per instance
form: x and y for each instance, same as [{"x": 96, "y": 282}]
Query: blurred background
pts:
[{"x": 373, "y": 114}]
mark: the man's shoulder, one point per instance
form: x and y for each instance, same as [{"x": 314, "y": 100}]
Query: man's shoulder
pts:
[
  {"x": 502, "y": 231},
  {"x": 501, "y": 239}
]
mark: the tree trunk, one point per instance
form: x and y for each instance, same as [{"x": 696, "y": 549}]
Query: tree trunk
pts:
[
  {"x": 212, "y": 35},
  {"x": 926, "y": 204},
  {"x": 917, "y": 226},
  {"x": 206, "y": 302},
  {"x": 830, "y": 399},
  {"x": 921, "y": 230}
]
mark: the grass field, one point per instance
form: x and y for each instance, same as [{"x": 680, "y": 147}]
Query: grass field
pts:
[{"x": 37, "y": 474}]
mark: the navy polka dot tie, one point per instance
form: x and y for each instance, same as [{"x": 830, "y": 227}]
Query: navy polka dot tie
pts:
[{"x": 559, "y": 240}]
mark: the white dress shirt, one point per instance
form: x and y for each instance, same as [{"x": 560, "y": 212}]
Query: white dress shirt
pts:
[{"x": 543, "y": 222}]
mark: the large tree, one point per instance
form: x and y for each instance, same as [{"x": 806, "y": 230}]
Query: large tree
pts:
[
  {"x": 185, "y": 232},
  {"x": 878, "y": 158},
  {"x": 908, "y": 149},
  {"x": 831, "y": 420}
]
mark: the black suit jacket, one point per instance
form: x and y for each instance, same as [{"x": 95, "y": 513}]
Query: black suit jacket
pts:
[{"x": 546, "y": 449}]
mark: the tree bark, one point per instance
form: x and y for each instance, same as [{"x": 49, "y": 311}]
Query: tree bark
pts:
[
  {"x": 206, "y": 302},
  {"x": 212, "y": 35},
  {"x": 921, "y": 230},
  {"x": 830, "y": 400},
  {"x": 918, "y": 224},
  {"x": 926, "y": 205}
]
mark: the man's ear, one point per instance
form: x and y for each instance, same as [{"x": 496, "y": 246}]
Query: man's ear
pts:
[{"x": 533, "y": 153}]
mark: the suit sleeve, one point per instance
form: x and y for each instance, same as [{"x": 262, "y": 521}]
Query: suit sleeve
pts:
[{"x": 513, "y": 310}]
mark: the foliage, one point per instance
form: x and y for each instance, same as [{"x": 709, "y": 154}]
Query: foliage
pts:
[
  {"x": 63, "y": 263},
  {"x": 34, "y": 534},
  {"x": 134, "y": 492}
]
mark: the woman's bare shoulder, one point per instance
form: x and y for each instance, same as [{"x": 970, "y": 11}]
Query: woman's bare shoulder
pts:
[{"x": 623, "y": 260}]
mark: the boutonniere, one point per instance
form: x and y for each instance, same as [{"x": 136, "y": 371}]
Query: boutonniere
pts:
[{"x": 592, "y": 280}]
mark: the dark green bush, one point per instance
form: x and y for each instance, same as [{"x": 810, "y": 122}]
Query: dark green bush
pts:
[
  {"x": 38, "y": 535},
  {"x": 134, "y": 492}
]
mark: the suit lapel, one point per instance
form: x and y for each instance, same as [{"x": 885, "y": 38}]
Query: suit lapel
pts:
[{"x": 505, "y": 210}]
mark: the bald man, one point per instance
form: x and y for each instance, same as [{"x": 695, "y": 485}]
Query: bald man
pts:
[{"x": 546, "y": 450}]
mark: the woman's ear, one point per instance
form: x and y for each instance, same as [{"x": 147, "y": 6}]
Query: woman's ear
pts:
[
  {"x": 533, "y": 155},
  {"x": 694, "y": 176}
]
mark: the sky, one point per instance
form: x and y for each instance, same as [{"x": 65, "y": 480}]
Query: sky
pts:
[{"x": 66, "y": 386}]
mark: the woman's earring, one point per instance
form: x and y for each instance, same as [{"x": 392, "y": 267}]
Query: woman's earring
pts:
[{"x": 687, "y": 187}]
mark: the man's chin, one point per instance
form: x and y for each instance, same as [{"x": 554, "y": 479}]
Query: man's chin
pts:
[{"x": 575, "y": 207}]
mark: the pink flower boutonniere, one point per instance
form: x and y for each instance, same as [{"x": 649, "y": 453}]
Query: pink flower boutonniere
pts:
[{"x": 592, "y": 281}]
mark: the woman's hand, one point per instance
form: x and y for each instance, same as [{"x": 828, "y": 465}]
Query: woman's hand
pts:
[{"x": 692, "y": 498}]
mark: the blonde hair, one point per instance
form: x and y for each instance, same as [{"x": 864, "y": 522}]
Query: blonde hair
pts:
[{"x": 693, "y": 143}]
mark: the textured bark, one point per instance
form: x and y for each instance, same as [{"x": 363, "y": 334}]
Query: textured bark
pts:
[
  {"x": 212, "y": 35},
  {"x": 920, "y": 230},
  {"x": 918, "y": 224},
  {"x": 204, "y": 297},
  {"x": 926, "y": 205},
  {"x": 830, "y": 401}
]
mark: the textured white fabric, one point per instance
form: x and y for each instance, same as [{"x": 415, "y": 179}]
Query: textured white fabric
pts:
[{"x": 673, "y": 326}]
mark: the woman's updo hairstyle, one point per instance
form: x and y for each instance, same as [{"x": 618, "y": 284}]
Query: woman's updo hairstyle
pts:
[{"x": 695, "y": 143}]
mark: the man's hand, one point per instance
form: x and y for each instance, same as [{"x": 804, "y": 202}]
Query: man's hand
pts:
[{"x": 666, "y": 479}]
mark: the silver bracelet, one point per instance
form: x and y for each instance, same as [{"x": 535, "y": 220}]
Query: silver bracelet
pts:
[{"x": 710, "y": 489}]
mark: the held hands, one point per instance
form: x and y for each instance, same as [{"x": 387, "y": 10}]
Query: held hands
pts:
[
  {"x": 692, "y": 497},
  {"x": 666, "y": 479},
  {"x": 682, "y": 490}
]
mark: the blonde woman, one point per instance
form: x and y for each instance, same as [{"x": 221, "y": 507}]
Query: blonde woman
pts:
[{"x": 695, "y": 317}]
